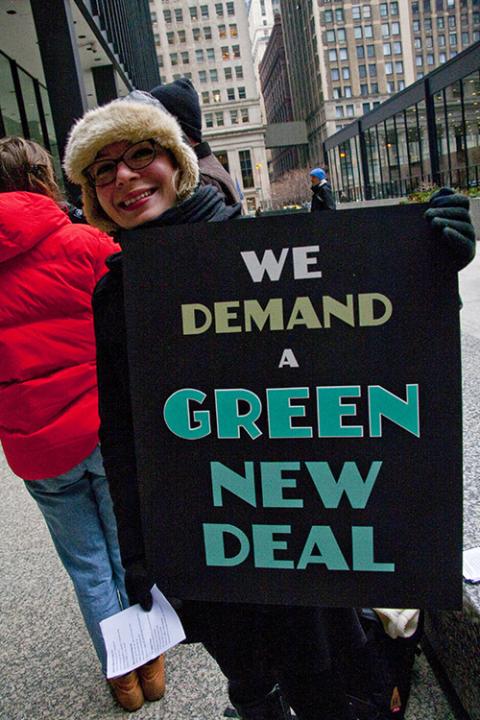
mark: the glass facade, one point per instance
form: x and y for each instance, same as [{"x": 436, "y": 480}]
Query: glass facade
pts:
[
  {"x": 25, "y": 109},
  {"x": 426, "y": 135}
]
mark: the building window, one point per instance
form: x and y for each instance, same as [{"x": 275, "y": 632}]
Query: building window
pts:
[
  {"x": 208, "y": 120},
  {"x": 343, "y": 54},
  {"x": 167, "y": 15},
  {"x": 395, "y": 28},
  {"x": 465, "y": 38},
  {"x": 204, "y": 11},
  {"x": 205, "y": 97},
  {"x": 213, "y": 75},
  {"x": 440, "y": 22},
  {"x": 174, "y": 58},
  {"x": 442, "y": 57},
  {"x": 230, "y": 8},
  {"x": 207, "y": 32},
  {"x": 202, "y": 76},
  {"x": 372, "y": 70},
  {"x": 346, "y": 73},
  {"x": 332, "y": 55},
  {"x": 363, "y": 90},
  {"x": 244, "y": 115},
  {"x": 401, "y": 84},
  {"x": 335, "y": 73},
  {"x": 171, "y": 38},
  {"x": 390, "y": 87},
  {"x": 362, "y": 71},
  {"x": 341, "y": 35},
  {"x": 356, "y": 13},
  {"x": 399, "y": 66},
  {"x": 339, "y": 111},
  {"x": 337, "y": 93},
  {"x": 350, "y": 111},
  {"x": 360, "y": 52},
  {"x": 427, "y": 24},
  {"x": 182, "y": 36},
  {"x": 211, "y": 54},
  {"x": 330, "y": 36},
  {"x": 242, "y": 93},
  {"x": 387, "y": 49},
  {"x": 239, "y": 72},
  {"x": 429, "y": 42},
  {"x": 196, "y": 33},
  {"x": 374, "y": 88},
  {"x": 416, "y": 26},
  {"x": 219, "y": 119},
  {"x": 233, "y": 117},
  {"x": 222, "y": 31},
  {"x": 397, "y": 48},
  {"x": 365, "y": 107},
  {"x": 228, "y": 73},
  {"x": 357, "y": 32},
  {"x": 347, "y": 90},
  {"x": 388, "y": 68},
  {"x": 178, "y": 15},
  {"x": 225, "y": 52},
  {"x": 367, "y": 12},
  {"x": 394, "y": 8},
  {"x": 199, "y": 55},
  {"x": 217, "y": 98},
  {"x": 230, "y": 94},
  {"x": 233, "y": 30},
  {"x": 368, "y": 31},
  {"x": 236, "y": 51},
  {"x": 193, "y": 13},
  {"x": 452, "y": 21},
  {"x": 185, "y": 58},
  {"x": 370, "y": 51},
  {"x": 383, "y": 10},
  {"x": 418, "y": 60},
  {"x": 246, "y": 168},
  {"x": 453, "y": 39},
  {"x": 386, "y": 30}
]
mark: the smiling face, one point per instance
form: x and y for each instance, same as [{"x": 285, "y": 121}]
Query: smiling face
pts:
[{"x": 135, "y": 197}]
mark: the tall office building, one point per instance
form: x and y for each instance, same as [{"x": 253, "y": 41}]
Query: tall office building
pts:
[
  {"x": 210, "y": 44},
  {"x": 346, "y": 57},
  {"x": 261, "y": 17}
]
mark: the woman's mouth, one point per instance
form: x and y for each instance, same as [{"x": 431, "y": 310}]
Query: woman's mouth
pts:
[{"x": 131, "y": 201}]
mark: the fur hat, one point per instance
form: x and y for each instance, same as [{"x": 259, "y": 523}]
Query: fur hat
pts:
[{"x": 133, "y": 120}]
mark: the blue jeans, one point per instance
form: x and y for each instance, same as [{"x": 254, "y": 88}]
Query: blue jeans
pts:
[{"x": 78, "y": 510}]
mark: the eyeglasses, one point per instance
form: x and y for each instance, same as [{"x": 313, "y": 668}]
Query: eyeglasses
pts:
[{"x": 136, "y": 157}]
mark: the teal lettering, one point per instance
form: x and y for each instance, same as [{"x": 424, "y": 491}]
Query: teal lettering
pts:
[
  {"x": 350, "y": 482},
  {"x": 243, "y": 486},
  {"x": 322, "y": 538},
  {"x": 229, "y": 418},
  {"x": 404, "y": 413},
  {"x": 281, "y": 412},
  {"x": 264, "y": 546},
  {"x": 273, "y": 484},
  {"x": 214, "y": 542},
  {"x": 180, "y": 421},
  {"x": 330, "y": 411},
  {"x": 362, "y": 552}
]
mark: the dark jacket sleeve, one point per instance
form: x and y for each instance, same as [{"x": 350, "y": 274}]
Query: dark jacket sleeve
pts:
[
  {"x": 323, "y": 199},
  {"x": 116, "y": 425}
]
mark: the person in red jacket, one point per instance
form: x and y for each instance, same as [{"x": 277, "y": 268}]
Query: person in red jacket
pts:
[{"x": 48, "y": 385}]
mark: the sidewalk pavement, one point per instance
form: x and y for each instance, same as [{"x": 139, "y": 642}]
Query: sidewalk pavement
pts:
[{"x": 48, "y": 668}]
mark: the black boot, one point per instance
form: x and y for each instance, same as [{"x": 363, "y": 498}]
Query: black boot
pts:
[{"x": 271, "y": 707}]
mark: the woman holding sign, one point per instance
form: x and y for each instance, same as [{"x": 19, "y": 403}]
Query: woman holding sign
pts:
[{"x": 135, "y": 168}]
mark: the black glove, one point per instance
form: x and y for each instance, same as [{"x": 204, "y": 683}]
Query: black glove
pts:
[
  {"x": 138, "y": 584},
  {"x": 452, "y": 223}
]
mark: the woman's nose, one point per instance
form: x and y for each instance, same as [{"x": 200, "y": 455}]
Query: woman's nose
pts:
[{"x": 124, "y": 173}]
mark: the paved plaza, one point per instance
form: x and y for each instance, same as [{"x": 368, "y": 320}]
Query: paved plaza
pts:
[{"x": 48, "y": 667}]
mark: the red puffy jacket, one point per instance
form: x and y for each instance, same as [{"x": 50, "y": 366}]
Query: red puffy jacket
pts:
[{"x": 48, "y": 384}]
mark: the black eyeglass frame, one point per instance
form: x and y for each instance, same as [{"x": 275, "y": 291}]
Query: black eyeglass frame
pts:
[{"x": 116, "y": 161}]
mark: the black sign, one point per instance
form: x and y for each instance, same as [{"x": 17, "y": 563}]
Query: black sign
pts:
[{"x": 296, "y": 391}]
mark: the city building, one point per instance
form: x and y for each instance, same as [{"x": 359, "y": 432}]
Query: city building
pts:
[
  {"x": 428, "y": 134},
  {"x": 346, "y": 58},
  {"x": 277, "y": 98},
  {"x": 261, "y": 17},
  {"x": 59, "y": 58},
  {"x": 209, "y": 43}
]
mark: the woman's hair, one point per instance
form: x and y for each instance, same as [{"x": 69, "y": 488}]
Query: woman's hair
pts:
[{"x": 26, "y": 165}]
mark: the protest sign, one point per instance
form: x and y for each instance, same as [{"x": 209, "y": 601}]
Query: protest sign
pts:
[{"x": 296, "y": 394}]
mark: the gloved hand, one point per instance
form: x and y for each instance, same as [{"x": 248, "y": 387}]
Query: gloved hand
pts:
[
  {"x": 138, "y": 584},
  {"x": 452, "y": 223}
]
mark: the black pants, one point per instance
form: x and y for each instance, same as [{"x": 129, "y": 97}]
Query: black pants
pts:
[{"x": 257, "y": 647}]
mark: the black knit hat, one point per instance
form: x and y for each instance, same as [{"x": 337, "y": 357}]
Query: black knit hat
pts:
[{"x": 181, "y": 100}]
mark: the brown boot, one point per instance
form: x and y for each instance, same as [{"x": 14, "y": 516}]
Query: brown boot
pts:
[
  {"x": 128, "y": 691},
  {"x": 152, "y": 678}
]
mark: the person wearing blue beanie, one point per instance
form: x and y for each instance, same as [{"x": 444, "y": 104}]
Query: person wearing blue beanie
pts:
[{"x": 322, "y": 192}]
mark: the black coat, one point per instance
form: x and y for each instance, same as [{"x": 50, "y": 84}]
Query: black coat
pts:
[
  {"x": 215, "y": 624},
  {"x": 322, "y": 198}
]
